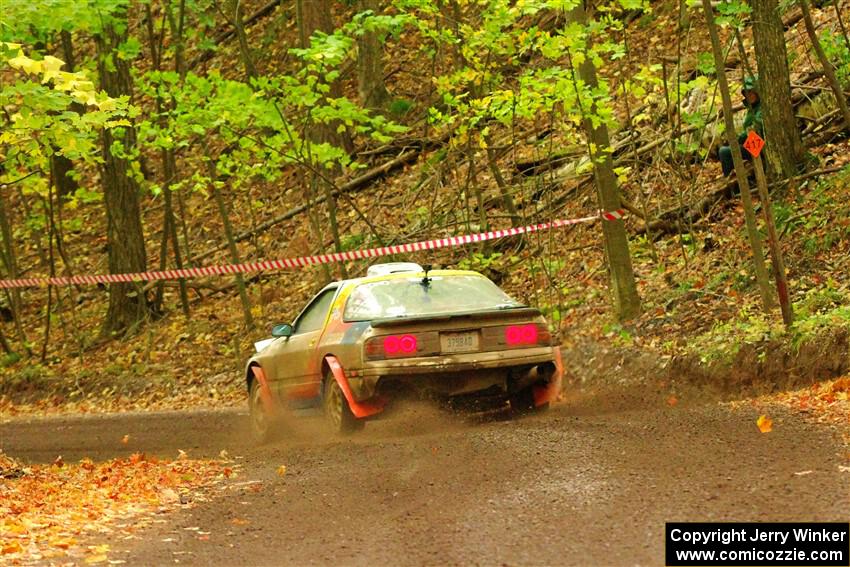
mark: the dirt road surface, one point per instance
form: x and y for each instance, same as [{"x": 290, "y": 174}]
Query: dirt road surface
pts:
[{"x": 580, "y": 485}]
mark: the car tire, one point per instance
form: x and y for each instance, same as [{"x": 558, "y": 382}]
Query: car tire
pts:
[
  {"x": 522, "y": 403},
  {"x": 261, "y": 422},
  {"x": 337, "y": 411}
]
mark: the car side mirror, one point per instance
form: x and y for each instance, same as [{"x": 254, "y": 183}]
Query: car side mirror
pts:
[{"x": 282, "y": 330}]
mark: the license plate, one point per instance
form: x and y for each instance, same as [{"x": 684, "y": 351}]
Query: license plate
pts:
[{"x": 459, "y": 342}]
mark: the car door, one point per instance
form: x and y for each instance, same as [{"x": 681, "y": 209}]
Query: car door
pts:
[{"x": 297, "y": 369}]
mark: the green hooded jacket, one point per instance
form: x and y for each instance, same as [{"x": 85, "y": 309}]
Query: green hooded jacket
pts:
[{"x": 753, "y": 120}]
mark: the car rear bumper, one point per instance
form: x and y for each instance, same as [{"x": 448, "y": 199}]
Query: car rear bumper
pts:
[
  {"x": 459, "y": 362},
  {"x": 460, "y": 373}
]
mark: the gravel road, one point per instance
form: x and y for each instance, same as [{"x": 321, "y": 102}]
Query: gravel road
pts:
[{"x": 583, "y": 484}]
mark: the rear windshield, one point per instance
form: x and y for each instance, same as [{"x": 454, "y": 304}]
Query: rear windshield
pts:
[{"x": 408, "y": 297}]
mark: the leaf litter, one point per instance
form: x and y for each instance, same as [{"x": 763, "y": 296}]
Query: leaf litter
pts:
[{"x": 59, "y": 512}]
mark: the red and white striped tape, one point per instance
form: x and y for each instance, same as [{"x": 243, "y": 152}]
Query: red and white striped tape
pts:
[{"x": 302, "y": 261}]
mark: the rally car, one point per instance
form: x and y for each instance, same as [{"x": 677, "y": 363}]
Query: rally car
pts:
[{"x": 360, "y": 344}]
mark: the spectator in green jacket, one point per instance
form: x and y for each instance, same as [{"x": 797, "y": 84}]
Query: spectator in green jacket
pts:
[{"x": 753, "y": 121}]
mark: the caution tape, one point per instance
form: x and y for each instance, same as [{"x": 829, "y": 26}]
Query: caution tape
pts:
[{"x": 303, "y": 261}]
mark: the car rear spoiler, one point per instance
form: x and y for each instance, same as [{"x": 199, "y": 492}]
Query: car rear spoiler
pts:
[{"x": 487, "y": 314}]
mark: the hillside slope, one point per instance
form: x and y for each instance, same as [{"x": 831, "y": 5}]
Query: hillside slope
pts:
[{"x": 699, "y": 301}]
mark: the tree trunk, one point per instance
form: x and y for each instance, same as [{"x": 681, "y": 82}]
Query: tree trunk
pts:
[
  {"x": 504, "y": 189},
  {"x": 828, "y": 69},
  {"x": 370, "y": 66},
  {"x": 10, "y": 262},
  {"x": 247, "y": 59},
  {"x": 176, "y": 26},
  {"x": 169, "y": 164},
  {"x": 315, "y": 15},
  {"x": 623, "y": 287},
  {"x": 312, "y": 16},
  {"x": 60, "y": 165},
  {"x": 231, "y": 242},
  {"x": 125, "y": 238},
  {"x": 776, "y": 259},
  {"x": 740, "y": 170},
  {"x": 784, "y": 143}
]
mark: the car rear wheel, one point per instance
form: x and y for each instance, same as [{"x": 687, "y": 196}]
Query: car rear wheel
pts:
[
  {"x": 522, "y": 403},
  {"x": 337, "y": 411},
  {"x": 262, "y": 422}
]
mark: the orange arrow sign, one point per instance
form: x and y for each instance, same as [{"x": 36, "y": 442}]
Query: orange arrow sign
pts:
[{"x": 754, "y": 143}]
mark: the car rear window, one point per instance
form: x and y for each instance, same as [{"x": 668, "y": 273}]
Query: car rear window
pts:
[{"x": 408, "y": 297}]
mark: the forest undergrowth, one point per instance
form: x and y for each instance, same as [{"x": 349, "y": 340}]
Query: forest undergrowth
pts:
[{"x": 701, "y": 320}]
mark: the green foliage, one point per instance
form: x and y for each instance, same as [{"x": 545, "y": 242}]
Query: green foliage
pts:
[
  {"x": 836, "y": 50},
  {"x": 479, "y": 262},
  {"x": 495, "y": 84},
  {"x": 265, "y": 125},
  {"x": 400, "y": 107},
  {"x": 620, "y": 334},
  {"x": 818, "y": 216},
  {"x": 50, "y": 112},
  {"x": 36, "y": 23},
  {"x": 807, "y": 328},
  {"x": 732, "y": 13},
  {"x": 726, "y": 339}
]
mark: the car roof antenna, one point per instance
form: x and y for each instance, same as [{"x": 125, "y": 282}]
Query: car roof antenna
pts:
[{"x": 426, "y": 281}]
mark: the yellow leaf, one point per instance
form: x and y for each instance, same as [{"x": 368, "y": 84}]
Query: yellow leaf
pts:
[
  {"x": 25, "y": 64},
  {"x": 85, "y": 97},
  {"x": 11, "y": 547},
  {"x": 281, "y": 470},
  {"x": 96, "y": 559},
  {"x": 106, "y": 104},
  {"x": 51, "y": 63},
  {"x": 62, "y": 542},
  {"x": 50, "y": 66},
  {"x": 764, "y": 423}
]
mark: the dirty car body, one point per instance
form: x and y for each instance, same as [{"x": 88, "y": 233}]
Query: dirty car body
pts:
[{"x": 451, "y": 335}]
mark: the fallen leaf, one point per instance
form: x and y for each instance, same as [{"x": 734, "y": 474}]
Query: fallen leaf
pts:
[
  {"x": 841, "y": 385},
  {"x": 281, "y": 470},
  {"x": 62, "y": 543},
  {"x": 96, "y": 559},
  {"x": 239, "y": 522},
  {"x": 842, "y": 468},
  {"x": 764, "y": 423},
  {"x": 181, "y": 455},
  {"x": 125, "y": 439},
  {"x": 168, "y": 496},
  {"x": 672, "y": 401},
  {"x": 11, "y": 547},
  {"x": 58, "y": 462},
  {"x": 803, "y": 473}
]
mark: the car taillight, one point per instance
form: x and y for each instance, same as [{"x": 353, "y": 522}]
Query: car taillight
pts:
[
  {"x": 399, "y": 344},
  {"x": 529, "y": 334},
  {"x": 391, "y": 346}
]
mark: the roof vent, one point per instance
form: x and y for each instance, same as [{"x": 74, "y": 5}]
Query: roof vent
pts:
[{"x": 393, "y": 268}]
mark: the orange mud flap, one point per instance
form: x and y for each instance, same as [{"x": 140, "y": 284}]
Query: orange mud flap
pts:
[
  {"x": 549, "y": 392},
  {"x": 265, "y": 391},
  {"x": 359, "y": 409}
]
